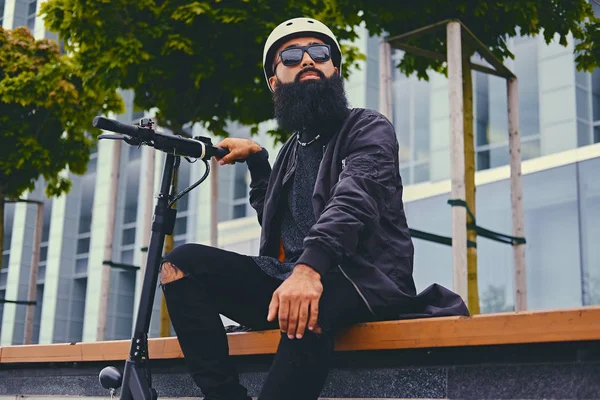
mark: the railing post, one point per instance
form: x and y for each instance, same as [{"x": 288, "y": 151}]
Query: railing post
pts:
[
  {"x": 516, "y": 194},
  {"x": 33, "y": 275},
  {"x": 457, "y": 170},
  {"x": 385, "y": 79}
]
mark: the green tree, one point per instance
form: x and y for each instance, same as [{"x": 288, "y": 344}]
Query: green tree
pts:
[
  {"x": 196, "y": 62},
  {"x": 492, "y": 22},
  {"x": 46, "y": 105}
]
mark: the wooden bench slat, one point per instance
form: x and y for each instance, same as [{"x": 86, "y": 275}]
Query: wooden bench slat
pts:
[{"x": 490, "y": 329}]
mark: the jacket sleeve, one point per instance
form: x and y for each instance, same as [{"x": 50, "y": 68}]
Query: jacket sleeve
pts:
[
  {"x": 260, "y": 172},
  {"x": 365, "y": 188}
]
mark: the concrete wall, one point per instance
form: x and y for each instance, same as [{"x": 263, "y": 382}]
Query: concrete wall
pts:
[{"x": 568, "y": 370}]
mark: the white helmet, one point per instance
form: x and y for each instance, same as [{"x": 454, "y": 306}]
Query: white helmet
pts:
[{"x": 298, "y": 27}]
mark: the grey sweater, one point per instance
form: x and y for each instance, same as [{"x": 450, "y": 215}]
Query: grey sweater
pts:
[{"x": 298, "y": 217}]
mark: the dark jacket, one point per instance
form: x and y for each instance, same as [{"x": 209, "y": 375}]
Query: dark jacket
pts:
[{"x": 361, "y": 228}]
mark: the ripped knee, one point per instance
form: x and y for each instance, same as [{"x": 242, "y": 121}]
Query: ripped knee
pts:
[{"x": 169, "y": 273}]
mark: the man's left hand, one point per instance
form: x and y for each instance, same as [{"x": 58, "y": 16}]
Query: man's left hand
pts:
[{"x": 296, "y": 301}]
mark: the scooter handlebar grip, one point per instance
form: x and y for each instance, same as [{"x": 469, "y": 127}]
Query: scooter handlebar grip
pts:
[{"x": 115, "y": 126}]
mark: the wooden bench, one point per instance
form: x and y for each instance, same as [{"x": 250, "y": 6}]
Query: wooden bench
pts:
[
  {"x": 533, "y": 355},
  {"x": 492, "y": 329}
]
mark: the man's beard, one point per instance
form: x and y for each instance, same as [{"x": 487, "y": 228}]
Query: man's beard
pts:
[{"x": 311, "y": 107}]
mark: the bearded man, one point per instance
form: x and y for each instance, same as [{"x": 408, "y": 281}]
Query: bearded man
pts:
[{"x": 335, "y": 246}]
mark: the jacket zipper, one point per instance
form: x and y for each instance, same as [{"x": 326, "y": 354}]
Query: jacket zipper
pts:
[
  {"x": 340, "y": 267},
  {"x": 357, "y": 289}
]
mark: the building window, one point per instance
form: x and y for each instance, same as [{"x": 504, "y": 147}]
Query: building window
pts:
[
  {"x": 70, "y": 319},
  {"x": 31, "y": 8},
  {"x": 37, "y": 318},
  {"x": 526, "y": 68},
  {"x": 2, "y": 296},
  {"x": 595, "y": 83},
  {"x": 584, "y": 107},
  {"x": 589, "y": 212},
  {"x": 41, "y": 278},
  {"x": 9, "y": 214},
  {"x": 401, "y": 99},
  {"x": 77, "y": 311},
  {"x": 88, "y": 184},
  {"x": 181, "y": 223},
  {"x": 490, "y": 109},
  {"x": 481, "y": 107},
  {"x": 120, "y": 314},
  {"x": 411, "y": 118},
  {"x": 2, "y": 4},
  {"x": 233, "y": 192}
]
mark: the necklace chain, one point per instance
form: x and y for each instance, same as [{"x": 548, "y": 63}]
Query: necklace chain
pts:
[{"x": 307, "y": 143}]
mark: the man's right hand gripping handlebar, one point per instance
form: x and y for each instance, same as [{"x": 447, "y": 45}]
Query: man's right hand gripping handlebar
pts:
[{"x": 239, "y": 149}]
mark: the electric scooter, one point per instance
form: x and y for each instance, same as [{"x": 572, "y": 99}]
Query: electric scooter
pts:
[{"x": 136, "y": 380}]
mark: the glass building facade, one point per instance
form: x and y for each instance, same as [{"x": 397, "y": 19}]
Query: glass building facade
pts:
[
  {"x": 563, "y": 265},
  {"x": 559, "y": 109},
  {"x": 560, "y": 124}
]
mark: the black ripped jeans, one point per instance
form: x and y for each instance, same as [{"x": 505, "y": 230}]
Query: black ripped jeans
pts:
[{"x": 221, "y": 282}]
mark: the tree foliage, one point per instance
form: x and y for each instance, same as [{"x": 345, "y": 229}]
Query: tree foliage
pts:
[
  {"x": 46, "y": 105},
  {"x": 200, "y": 61},
  {"x": 492, "y": 22},
  {"x": 196, "y": 61},
  {"x": 45, "y": 109}
]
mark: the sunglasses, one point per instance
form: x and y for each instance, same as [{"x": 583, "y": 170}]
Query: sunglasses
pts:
[{"x": 293, "y": 55}]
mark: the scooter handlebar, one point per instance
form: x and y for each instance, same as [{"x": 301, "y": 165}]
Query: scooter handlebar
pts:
[
  {"x": 116, "y": 126},
  {"x": 180, "y": 145}
]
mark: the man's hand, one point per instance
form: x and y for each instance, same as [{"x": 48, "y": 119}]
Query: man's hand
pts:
[
  {"x": 239, "y": 149},
  {"x": 297, "y": 302}
]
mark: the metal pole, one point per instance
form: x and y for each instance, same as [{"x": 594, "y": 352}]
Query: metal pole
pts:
[
  {"x": 33, "y": 274},
  {"x": 385, "y": 79},
  {"x": 108, "y": 239},
  {"x": 457, "y": 170},
  {"x": 516, "y": 194}
]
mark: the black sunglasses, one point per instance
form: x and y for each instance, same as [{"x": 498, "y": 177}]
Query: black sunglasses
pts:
[{"x": 293, "y": 55}]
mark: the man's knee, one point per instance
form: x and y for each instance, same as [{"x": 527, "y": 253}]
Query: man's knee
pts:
[{"x": 170, "y": 273}]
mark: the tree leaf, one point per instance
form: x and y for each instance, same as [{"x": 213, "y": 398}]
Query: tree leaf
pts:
[{"x": 45, "y": 113}]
